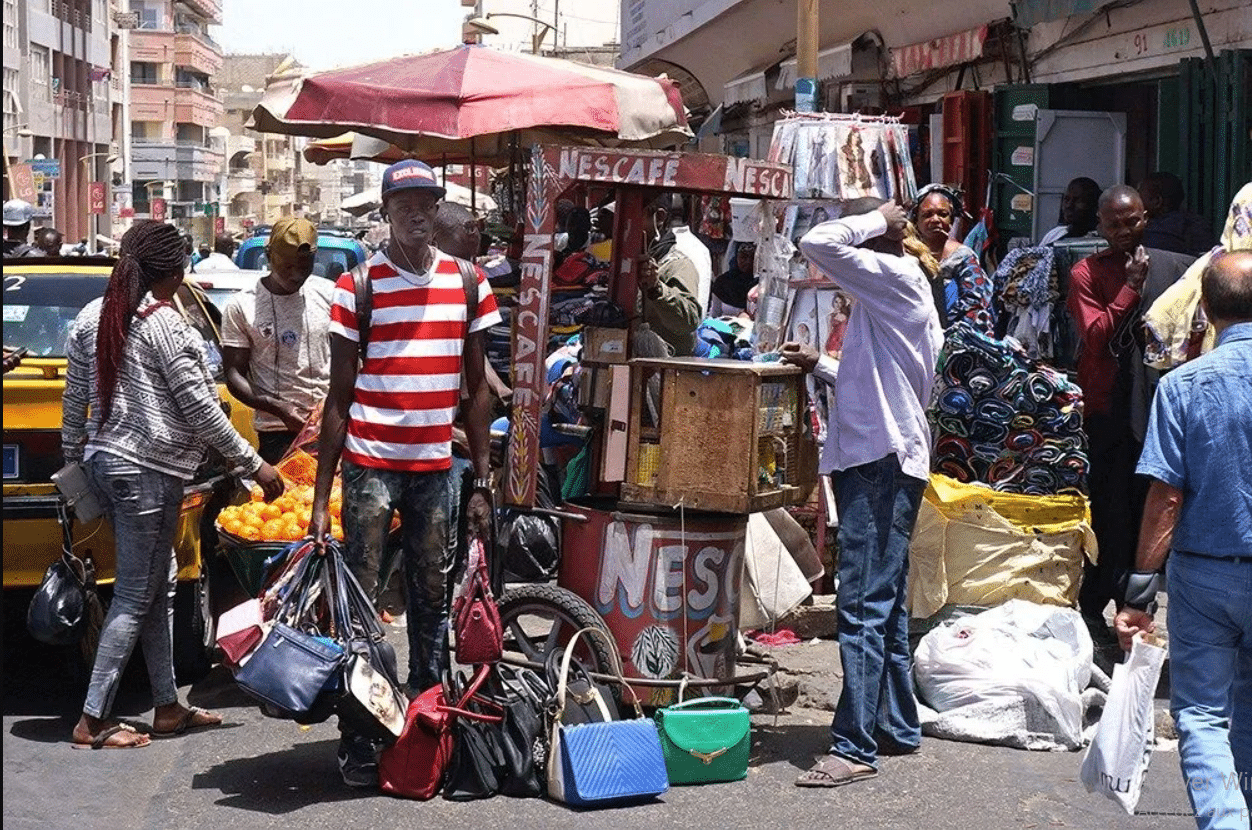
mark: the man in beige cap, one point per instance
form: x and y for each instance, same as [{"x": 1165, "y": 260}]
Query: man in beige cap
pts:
[{"x": 275, "y": 339}]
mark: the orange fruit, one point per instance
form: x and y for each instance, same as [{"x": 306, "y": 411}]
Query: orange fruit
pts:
[
  {"x": 253, "y": 519},
  {"x": 257, "y": 493},
  {"x": 274, "y": 529},
  {"x": 250, "y": 532},
  {"x": 233, "y": 526},
  {"x": 304, "y": 514},
  {"x": 285, "y": 503},
  {"x": 271, "y": 511}
]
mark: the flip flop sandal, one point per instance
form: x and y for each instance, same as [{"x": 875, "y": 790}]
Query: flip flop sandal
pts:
[
  {"x": 185, "y": 724},
  {"x": 101, "y": 740},
  {"x": 833, "y": 771}
]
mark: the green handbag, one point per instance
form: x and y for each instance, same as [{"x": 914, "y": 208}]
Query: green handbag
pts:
[{"x": 705, "y": 740}]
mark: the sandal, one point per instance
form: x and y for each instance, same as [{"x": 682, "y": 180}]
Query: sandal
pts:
[
  {"x": 835, "y": 771},
  {"x": 101, "y": 740},
  {"x": 185, "y": 724}
]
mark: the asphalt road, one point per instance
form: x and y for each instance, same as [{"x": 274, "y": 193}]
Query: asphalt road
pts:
[{"x": 257, "y": 772}]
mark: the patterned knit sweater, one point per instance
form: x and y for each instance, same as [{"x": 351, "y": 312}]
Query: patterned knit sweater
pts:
[{"x": 166, "y": 409}]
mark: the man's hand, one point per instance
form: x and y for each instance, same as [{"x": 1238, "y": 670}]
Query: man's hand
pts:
[
  {"x": 319, "y": 525},
  {"x": 897, "y": 219},
  {"x": 270, "y": 480},
  {"x": 12, "y": 358},
  {"x": 478, "y": 514},
  {"x": 1129, "y": 622},
  {"x": 649, "y": 273},
  {"x": 1137, "y": 268},
  {"x": 291, "y": 421},
  {"x": 799, "y": 354}
]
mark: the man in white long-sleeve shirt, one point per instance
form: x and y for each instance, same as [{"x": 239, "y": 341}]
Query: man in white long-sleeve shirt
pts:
[{"x": 878, "y": 453}]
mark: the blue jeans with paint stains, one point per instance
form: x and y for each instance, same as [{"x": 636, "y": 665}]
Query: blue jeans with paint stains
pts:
[
  {"x": 143, "y": 506},
  {"x": 878, "y": 506},
  {"x": 371, "y": 498}
]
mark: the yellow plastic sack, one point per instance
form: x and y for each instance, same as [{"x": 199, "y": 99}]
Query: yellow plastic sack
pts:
[{"x": 975, "y": 546}]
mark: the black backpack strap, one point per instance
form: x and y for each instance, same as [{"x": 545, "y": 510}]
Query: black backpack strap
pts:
[
  {"x": 364, "y": 292},
  {"x": 469, "y": 281}
]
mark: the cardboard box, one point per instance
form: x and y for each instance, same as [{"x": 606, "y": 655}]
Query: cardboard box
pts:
[{"x": 605, "y": 347}]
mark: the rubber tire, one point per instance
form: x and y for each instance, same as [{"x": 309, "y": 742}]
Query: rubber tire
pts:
[
  {"x": 567, "y": 604},
  {"x": 192, "y": 658}
]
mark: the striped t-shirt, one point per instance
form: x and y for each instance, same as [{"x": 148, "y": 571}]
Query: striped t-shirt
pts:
[{"x": 408, "y": 387}]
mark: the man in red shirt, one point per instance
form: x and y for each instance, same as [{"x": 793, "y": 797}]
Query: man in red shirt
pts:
[
  {"x": 389, "y": 413},
  {"x": 1104, "y": 300}
]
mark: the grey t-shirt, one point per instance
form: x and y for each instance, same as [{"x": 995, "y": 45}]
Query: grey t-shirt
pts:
[{"x": 289, "y": 341}]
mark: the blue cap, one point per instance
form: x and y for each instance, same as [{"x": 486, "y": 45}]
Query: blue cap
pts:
[{"x": 410, "y": 173}]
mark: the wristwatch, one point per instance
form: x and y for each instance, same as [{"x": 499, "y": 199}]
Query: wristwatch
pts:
[
  {"x": 1141, "y": 590},
  {"x": 484, "y": 484}
]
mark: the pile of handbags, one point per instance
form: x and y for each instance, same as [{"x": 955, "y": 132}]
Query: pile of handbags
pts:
[{"x": 311, "y": 646}]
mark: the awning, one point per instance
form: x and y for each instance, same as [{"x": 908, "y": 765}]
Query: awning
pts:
[
  {"x": 832, "y": 63},
  {"x": 749, "y": 87},
  {"x": 949, "y": 50},
  {"x": 1027, "y": 13}
]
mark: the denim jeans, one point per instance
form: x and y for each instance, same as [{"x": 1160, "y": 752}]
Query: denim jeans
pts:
[
  {"x": 370, "y": 499},
  {"x": 143, "y": 506},
  {"x": 878, "y": 506},
  {"x": 1210, "y": 655}
]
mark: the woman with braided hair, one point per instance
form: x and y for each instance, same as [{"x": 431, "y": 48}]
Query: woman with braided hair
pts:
[
  {"x": 961, "y": 289},
  {"x": 140, "y": 408}
]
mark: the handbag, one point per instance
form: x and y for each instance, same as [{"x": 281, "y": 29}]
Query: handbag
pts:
[
  {"x": 57, "y": 614},
  {"x": 415, "y": 764},
  {"x": 586, "y": 701},
  {"x": 476, "y": 618},
  {"x": 705, "y": 740},
  {"x": 523, "y": 737},
  {"x": 477, "y": 763},
  {"x": 291, "y": 668},
  {"x": 240, "y": 630},
  {"x": 372, "y": 703},
  {"x": 603, "y": 764}
]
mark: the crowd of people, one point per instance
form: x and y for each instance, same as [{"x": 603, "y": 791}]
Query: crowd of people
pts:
[{"x": 393, "y": 355}]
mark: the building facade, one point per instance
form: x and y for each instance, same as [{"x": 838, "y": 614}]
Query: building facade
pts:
[
  {"x": 174, "y": 106},
  {"x": 571, "y": 30},
  {"x": 59, "y": 95}
]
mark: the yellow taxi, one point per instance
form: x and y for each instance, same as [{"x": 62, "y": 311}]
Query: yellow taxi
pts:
[{"x": 41, "y": 299}]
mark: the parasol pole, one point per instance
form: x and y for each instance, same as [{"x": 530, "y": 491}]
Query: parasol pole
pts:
[
  {"x": 473, "y": 180},
  {"x": 445, "y": 171}
]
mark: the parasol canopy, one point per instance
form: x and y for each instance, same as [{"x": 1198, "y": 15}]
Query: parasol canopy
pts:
[
  {"x": 473, "y": 103},
  {"x": 353, "y": 146}
]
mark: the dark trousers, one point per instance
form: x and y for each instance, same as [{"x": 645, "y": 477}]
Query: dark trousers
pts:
[
  {"x": 1117, "y": 497},
  {"x": 272, "y": 446}
]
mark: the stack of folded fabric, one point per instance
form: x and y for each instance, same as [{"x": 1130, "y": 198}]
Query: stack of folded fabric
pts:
[{"x": 1001, "y": 419}]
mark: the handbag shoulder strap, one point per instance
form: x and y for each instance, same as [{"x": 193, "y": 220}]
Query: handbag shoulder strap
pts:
[
  {"x": 469, "y": 282},
  {"x": 563, "y": 677},
  {"x": 363, "y": 292},
  {"x": 706, "y": 702}
]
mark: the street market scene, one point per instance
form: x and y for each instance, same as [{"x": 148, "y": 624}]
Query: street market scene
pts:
[{"x": 641, "y": 413}]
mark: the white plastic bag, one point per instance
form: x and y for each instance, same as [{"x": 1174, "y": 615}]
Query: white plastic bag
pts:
[
  {"x": 1013, "y": 675},
  {"x": 1118, "y": 757}
]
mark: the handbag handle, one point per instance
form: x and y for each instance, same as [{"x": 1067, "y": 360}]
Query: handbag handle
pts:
[
  {"x": 709, "y": 702},
  {"x": 569, "y": 655}
]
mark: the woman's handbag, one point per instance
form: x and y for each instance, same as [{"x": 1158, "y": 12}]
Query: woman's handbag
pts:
[
  {"x": 476, "y": 618},
  {"x": 523, "y": 736},
  {"x": 586, "y": 701},
  {"x": 603, "y": 764},
  {"x": 240, "y": 630},
  {"x": 414, "y": 766},
  {"x": 477, "y": 764},
  {"x": 705, "y": 740}
]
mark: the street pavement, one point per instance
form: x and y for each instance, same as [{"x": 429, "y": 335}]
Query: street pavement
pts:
[{"x": 257, "y": 772}]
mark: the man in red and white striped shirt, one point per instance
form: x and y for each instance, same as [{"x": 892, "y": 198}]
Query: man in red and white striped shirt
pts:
[{"x": 389, "y": 413}]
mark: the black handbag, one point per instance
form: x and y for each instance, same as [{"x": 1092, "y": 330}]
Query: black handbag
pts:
[
  {"x": 586, "y": 701},
  {"x": 58, "y": 612},
  {"x": 524, "y": 732},
  {"x": 477, "y": 762}
]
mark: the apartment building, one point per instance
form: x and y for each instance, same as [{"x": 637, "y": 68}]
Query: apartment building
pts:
[
  {"x": 59, "y": 57},
  {"x": 174, "y": 105}
]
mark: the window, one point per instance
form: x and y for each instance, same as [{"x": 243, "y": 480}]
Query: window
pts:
[
  {"x": 10, "y": 98},
  {"x": 38, "y": 66},
  {"x": 149, "y": 14},
  {"x": 10, "y": 28},
  {"x": 142, "y": 72}
]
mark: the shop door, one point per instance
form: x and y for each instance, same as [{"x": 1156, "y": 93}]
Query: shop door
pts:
[
  {"x": 1070, "y": 144},
  {"x": 1215, "y": 156},
  {"x": 967, "y": 145}
]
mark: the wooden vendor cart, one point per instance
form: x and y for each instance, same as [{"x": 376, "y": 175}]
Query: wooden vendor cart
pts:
[{"x": 655, "y": 554}]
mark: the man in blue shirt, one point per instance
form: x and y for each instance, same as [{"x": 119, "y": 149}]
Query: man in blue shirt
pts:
[{"x": 1198, "y": 454}]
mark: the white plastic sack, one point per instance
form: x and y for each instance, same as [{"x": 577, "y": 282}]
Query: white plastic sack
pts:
[
  {"x": 773, "y": 582},
  {"x": 1117, "y": 760},
  {"x": 1013, "y": 675}
]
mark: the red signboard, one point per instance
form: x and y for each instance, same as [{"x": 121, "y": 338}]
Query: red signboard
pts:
[
  {"x": 634, "y": 172},
  {"x": 22, "y": 182},
  {"x": 97, "y": 197},
  {"x": 158, "y": 209},
  {"x": 219, "y": 224},
  {"x": 126, "y": 212}
]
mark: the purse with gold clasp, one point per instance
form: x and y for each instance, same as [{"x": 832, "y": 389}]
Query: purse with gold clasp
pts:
[{"x": 705, "y": 740}]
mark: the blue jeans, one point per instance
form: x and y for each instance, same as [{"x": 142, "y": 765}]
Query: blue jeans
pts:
[
  {"x": 1210, "y": 655},
  {"x": 878, "y": 506},
  {"x": 143, "y": 506},
  {"x": 370, "y": 499}
]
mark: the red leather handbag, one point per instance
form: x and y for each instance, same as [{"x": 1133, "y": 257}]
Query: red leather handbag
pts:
[
  {"x": 414, "y": 766},
  {"x": 476, "y": 618}
]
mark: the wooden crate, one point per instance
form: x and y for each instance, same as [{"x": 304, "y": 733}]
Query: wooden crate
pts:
[{"x": 721, "y": 435}]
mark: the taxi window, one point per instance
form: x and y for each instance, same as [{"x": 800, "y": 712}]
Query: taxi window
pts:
[
  {"x": 327, "y": 262},
  {"x": 39, "y": 309}
]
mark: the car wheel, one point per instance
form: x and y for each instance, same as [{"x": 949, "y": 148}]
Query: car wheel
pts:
[{"x": 192, "y": 629}]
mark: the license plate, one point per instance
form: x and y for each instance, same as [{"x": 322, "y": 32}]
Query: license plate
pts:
[{"x": 10, "y": 461}]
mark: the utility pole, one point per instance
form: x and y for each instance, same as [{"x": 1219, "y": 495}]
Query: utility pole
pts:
[{"x": 806, "y": 55}]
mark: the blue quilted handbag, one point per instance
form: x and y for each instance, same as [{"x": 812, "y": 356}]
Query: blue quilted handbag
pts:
[{"x": 605, "y": 764}]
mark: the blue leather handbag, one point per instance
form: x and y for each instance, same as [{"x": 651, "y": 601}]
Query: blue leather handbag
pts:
[{"x": 604, "y": 764}]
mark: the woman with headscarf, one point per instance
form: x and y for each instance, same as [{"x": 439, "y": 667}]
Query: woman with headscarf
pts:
[
  {"x": 961, "y": 289},
  {"x": 140, "y": 408},
  {"x": 1175, "y": 328}
]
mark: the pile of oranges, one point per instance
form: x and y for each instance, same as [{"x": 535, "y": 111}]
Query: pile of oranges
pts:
[{"x": 286, "y": 519}]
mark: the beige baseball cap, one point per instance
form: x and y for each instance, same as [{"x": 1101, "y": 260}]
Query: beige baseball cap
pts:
[{"x": 289, "y": 236}]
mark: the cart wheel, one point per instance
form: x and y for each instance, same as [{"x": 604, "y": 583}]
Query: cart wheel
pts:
[{"x": 540, "y": 619}]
